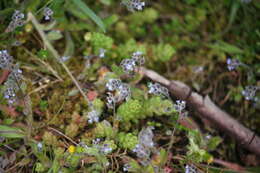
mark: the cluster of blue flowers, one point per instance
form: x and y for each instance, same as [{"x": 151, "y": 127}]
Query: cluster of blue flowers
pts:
[
  {"x": 47, "y": 12},
  {"x": 118, "y": 91},
  {"x": 129, "y": 65},
  {"x": 133, "y": 5},
  {"x": 11, "y": 86},
  {"x": 17, "y": 21}
]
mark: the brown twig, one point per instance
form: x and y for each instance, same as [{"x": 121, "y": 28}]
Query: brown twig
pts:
[
  {"x": 4, "y": 76},
  {"x": 208, "y": 110},
  {"x": 232, "y": 166}
]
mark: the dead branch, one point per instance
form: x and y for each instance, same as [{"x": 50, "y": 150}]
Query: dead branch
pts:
[{"x": 208, "y": 110}]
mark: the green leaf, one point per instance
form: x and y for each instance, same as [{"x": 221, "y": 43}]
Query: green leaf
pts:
[
  {"x": 8, "y": 121},
  {"x": 87, "y": 11},
  {"x": 226, "y": 47},
  {"x": 70, "y": 47},
  {"x": 54, "y": 35},
  {"x": 214, "y": 142},
  {"x": 11, "y": 132}
]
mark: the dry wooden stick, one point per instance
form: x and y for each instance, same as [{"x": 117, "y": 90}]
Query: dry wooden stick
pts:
[{"x": 208, "y": 110}]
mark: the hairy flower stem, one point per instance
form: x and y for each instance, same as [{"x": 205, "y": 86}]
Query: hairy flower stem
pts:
[
  {"x": 55, "y": 53},
  {"x": 114, "y": 117},
  {"x": 26, "y": 99}
]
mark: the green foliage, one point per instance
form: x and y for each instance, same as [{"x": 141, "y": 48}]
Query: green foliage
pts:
[
  {"x": 196, "y": 33},
  {"x": 98, "y": 105},
  {"x": 103, "y": 129},
  {"x": 49, "y": 139},
  {"x": 43, "y": 105},
  {"x": 99, "y": 40},
  {"x": 39, "y": 167},
  {"x": 163, "y": 52},
  {"x": 111, "y": 144},
  {"x": 133, "y": 109},
  {"x": 11, "y": 132},
  {"x": 87, "y": 11},
  {"x": 198, "y": 147},
  {"x": 125, "y": 50},
  {"x": 147, "y": 16},
  {"x": 158, "y": 106},
  {"x": 130, "y": 110},
  {"x": 72, "y": 130},
  {"x": 44, "y": 54},
  {"x": 127, "y": 140}
]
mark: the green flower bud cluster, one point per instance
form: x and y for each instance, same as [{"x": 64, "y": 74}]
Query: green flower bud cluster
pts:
[
  {"x": 98, "y": 105},
  {"x": 111, "y": 144},
  {"x": 133, "y": 110},
  {"x": 125, "y": 50},
  {"x": 103, "y": 129},
  {"x": 149, "y": 15},
  {"x": 130, "y": 110},
  {"x": 158, "y": 106},
  {"x": 127, "y": 140},
  {"x": 99, "y": 40},
  {"x": 163, "y": 52}
]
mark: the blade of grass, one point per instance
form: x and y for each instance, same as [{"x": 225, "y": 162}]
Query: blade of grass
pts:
[
  {"x": 87, "y": 11},
  {"x": 11, "y": 132}
]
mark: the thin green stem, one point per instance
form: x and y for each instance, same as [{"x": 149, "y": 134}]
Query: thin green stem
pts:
[{"x": 55, "y": 53}]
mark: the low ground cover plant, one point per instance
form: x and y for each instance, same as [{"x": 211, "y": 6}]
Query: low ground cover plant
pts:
[{"x": 74, "y": 98}]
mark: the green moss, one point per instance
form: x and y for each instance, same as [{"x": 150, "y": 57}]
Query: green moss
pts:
[
  {"x": 49, "y": 138},
  {"x": 72, "y": 130}
]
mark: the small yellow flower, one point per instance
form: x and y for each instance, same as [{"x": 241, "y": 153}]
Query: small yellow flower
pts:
[
  {"x": 71, "y": 149},
  {"x": 210, "y": 160}
]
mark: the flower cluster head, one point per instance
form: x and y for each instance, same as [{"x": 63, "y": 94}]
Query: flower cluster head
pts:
[
  {"x": 102, "y": 53},
  {"x": 12, "y": 84},
  {"x": 17, "y": 20},
  {"x": 6, "y": 60},
  {"x": 93, "y": 116},
  {"x": 118, "y": 92},
  {"x": 64, "y": 58},
  {"x": 126, "y": 167},
  {"x": 180, "y": 105},
  {"x": 190, "y": 169},
  {"x": 249, "y": 92},
  {"x": 146, "y": 137},
  {"x": 133, "y": 5},
  {"x": 158, "y": 89},
  {"x": 129, "y": 65},
  {"x": 145, "y": 145},
  {"x": 39, "y": 147},
  {"x": 47, "y": 12},
  {"x": 104, "y": 147},
  {"x": 233, "y": 64}
]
